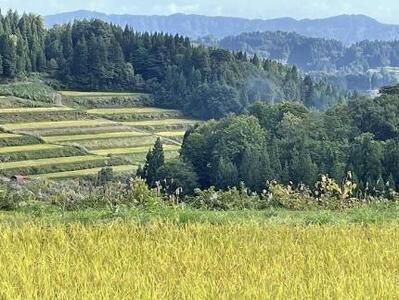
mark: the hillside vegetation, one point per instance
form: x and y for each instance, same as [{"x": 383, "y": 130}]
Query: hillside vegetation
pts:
[
  {"x": 60, "y": 142},
  {"x": 96, "y": 56},
  {"x": 364, "y": 65}
]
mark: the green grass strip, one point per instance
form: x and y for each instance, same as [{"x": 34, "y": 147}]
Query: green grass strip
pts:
[
  {"x": 132, "y": 111},
  {"x": 84, "y": 172},
  {"x": 27, "y": 148},
  {"x": 9, "y": 136},
  {"x": 97, "y": 94},
  {"x": 171, "y": 133},
  {"x": 132, "y": 150},
  {"x": 56, "y": 124},
  {"x": 34, "y": 109},
  {"x": 161, "y": 122},
  {"x": 48, "y": 161},
  {"x": 98, "y": 136}
]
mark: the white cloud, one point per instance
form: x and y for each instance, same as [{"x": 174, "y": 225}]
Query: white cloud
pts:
[{"x": 173, "y": 8}]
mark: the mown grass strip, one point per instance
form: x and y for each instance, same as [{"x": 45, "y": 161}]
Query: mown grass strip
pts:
[
  {"x": 28, "y": 148},
  {"x": 133, "y": 111},
  {"x": 99, "y": 136},
  {"x": 132, "y": 150},
  {"x": 56, "y": 124},
  {"x": 161, "y": 122},
  {"x": 34, "y": 109},
  {"x": 84, "y": 172},
  {"x": 171, "y": 133},
  {"x": 96, "y": 94},
  {"x": 9, "y": 135},
  {"x": 49, "y": 161}
]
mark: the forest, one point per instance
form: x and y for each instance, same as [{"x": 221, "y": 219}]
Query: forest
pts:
[
  {"x": 269, "y": 123},
  {"x": 354, "y": 67},
  {"x": 288, "y": 143},
  {"x": 205, "y": 82}
]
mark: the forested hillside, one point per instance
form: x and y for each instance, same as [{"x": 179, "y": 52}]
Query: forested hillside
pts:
[
  {"x": 288, "y": 143},
  {"x": 357, "y": 66},
  {"x": 348, "y": 29},
  {"x": 205, "y": 82}
]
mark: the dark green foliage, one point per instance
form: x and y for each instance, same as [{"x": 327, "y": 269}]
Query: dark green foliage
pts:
[
  {"x": 177, "y": 176},
  {"x": 205, "y": 82},
  {"x": 64, "y": 151},
  {"x": 19, "y": 141},
  {"x": 114, "y": 161},
  {"x": 105, "y": 175},
  {"x": 288, "y": 143},
  {"x": 229, "y": 151},
  {"x": 155, "y": 159},
  {"x": 29, "y": 90},
  {"x": 346, "y": 66}
]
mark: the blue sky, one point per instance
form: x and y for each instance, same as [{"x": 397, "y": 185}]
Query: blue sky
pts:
[{"x": 383, "y": 10}]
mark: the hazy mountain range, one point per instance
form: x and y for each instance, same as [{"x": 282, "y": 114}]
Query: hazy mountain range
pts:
[{"x": 345, "y": 28}]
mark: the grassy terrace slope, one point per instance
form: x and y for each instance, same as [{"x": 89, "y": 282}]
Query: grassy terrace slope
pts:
[{"x": 83, "y": 133}]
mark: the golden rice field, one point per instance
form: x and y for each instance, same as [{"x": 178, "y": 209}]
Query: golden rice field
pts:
[{"x": 199, "y": 261}]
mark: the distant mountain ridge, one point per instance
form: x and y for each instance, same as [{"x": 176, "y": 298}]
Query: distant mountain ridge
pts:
[{"x": 345, "y": 28}]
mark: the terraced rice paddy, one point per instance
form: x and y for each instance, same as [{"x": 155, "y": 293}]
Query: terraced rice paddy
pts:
[
  {"x": 134, "y": 111},
  {"x": 49, "y": 161},
  {"x": 28, "y": 148},
  {"x": 98, "y": 136},
  {"x": 95, "y": 94},
  {"x": 54, "y": 124},
  {"x": 81, "y": 138},
  {"x": 171, "y": 133},
  {"x": 164, "y": 122},
  {"x": 33, "y": 109},
  {"x": 8, "y": 135},
  {"x": 121, "y": 151},
  {"x": 84, "y": 172}
]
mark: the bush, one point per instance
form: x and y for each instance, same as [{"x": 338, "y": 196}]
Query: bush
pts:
[{"x": 232, "y": 199}]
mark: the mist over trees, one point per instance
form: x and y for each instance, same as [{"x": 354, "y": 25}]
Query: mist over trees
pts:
[{"x": 357, "y": 66}]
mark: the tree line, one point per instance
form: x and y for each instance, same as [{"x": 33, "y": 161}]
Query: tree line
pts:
[
  {"x": 288, "y": 143},
  {"x": 205, "y": 82}
]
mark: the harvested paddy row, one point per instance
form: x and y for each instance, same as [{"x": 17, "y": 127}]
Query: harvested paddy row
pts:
[
  {"x": 84, "y": 172},
  {"x": 97, "y": 94},
  {"x": 55, "y": 124},
  {"x": 28, "y": 148},
  {"x": 161, "y": 122},
  {"x": 94, "y": 136},
  {"x": 9, "y": 135},
  {"x": 122, "y": 151},
  {"x": 171, "y": 133},
  {"x": 49, "y": 161},
  {"x": 134, "y": 111},
  {"x": 131, "y": 142},
  {"x": 34, "y": 109}
]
